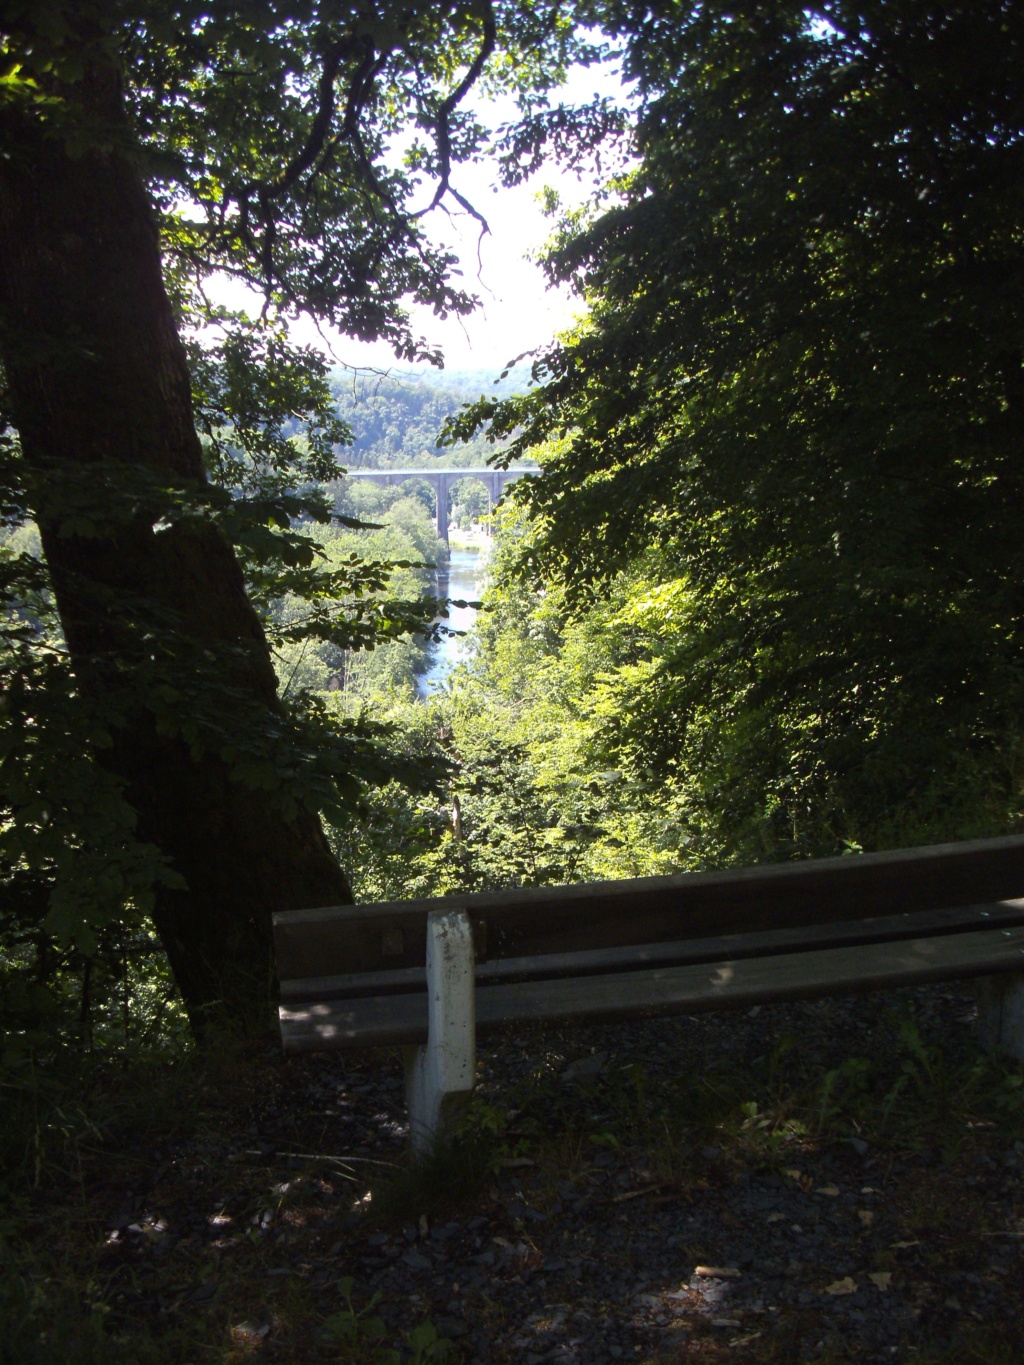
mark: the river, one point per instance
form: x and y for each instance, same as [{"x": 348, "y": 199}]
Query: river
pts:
[{"x": 465, "y": 582}]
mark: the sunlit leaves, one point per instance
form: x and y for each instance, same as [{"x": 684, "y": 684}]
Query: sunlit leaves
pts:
[{"x": 801, "y": 383}]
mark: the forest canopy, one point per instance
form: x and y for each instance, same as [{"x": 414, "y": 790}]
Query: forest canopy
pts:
[
  {"x": 764, "y": 601},
  {"x": 796, "y": 412},
  {"x": 150, "y": 767}
]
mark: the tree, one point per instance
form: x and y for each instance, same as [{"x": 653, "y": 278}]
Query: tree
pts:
[
  {"x": 800, "y": 388},
  {"x": 145, "y": 146}
]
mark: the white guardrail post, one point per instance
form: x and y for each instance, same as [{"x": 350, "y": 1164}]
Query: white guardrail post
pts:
[
  {"x": 1001, "y": 1014},
  {"x": 441, "y": 1073}
]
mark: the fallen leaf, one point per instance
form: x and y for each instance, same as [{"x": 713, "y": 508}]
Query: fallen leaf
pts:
[
  {"x": 745, "y": 1341},
  {"x": 830, "y": 1190},
  {"x": 900, "y": 1246},
  {"x": 717, "y": 1272},
  {"x": 866, "y": 1217},
  {"x": 725, "y": 1322},
  {"x": 776, "y": 1217},
  {"x": 838, "y": 1287},
  {"x": 881, "y": 1278},
  {"x": 806, "y": 1182}
]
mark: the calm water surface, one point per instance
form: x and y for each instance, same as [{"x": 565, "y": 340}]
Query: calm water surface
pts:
[{"x": 465, "y": 581}]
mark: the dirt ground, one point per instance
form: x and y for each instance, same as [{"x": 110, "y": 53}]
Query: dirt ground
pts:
[{"x": 827, "y": 1181}]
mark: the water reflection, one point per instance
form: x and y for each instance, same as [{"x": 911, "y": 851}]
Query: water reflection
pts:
[{"x": 464, "y": 581}]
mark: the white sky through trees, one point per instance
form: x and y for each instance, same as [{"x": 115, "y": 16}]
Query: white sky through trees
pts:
[{"x": 517, "y": 311}]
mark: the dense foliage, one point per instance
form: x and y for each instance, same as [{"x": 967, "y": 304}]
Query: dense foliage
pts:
[
  {"x": 534, "y": 794},
  {"x": 396, "y": 419},
  {"x": 150, "y": 767},
  {"x": 764, "y": 601},
  {"x": 796, "y": 411}
]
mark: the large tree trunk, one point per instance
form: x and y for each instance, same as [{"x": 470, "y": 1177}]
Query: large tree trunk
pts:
[{"x": 99, "y": 383}]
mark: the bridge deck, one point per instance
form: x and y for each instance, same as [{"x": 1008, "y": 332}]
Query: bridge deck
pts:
[{"x": 442, "y": 479}]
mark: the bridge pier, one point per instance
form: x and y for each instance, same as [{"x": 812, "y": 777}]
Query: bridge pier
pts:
[
  {"x": 441, "y": 480},
  {"x": 441, "y": 490}
]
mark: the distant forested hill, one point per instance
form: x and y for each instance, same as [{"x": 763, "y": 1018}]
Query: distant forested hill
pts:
[{"x": 396, "y": 417}]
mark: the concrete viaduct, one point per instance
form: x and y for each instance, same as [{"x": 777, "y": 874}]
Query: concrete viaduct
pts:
[{"x": 441, "y": 480}]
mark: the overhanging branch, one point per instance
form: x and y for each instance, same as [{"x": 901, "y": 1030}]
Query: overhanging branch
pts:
[{"x": 442, "y": 123}]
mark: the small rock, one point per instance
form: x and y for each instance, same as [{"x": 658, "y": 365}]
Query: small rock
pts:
[
  {"x": 585, "y": 1068},
  {"x": 416, "y": 1261},
  {"x": 525, "y": 1212},
  {"x": 452, "y": 1327}
]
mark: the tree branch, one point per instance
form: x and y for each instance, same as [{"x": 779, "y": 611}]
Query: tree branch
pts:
[
  {"x": 442, "y": 122},
  {"x": 326, "y": 104}
]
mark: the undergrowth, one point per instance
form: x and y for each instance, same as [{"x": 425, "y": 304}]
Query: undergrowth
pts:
[{"x": 73, "y": 1130}]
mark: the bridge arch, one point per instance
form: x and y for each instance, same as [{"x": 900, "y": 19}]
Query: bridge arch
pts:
[{"x": 442, "y": 480}]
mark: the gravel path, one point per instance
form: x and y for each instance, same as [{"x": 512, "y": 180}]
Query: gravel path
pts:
[{"x": 656, "y": 1195}]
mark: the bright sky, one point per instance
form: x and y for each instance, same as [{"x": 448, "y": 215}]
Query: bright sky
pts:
[{"x": 517, "y": 311}]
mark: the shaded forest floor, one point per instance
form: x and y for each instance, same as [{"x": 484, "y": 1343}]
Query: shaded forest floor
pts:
[{"x": 823, "y": 1181}]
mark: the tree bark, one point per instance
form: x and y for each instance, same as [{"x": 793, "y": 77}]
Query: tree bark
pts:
[{"x": 99, "y": 384}]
